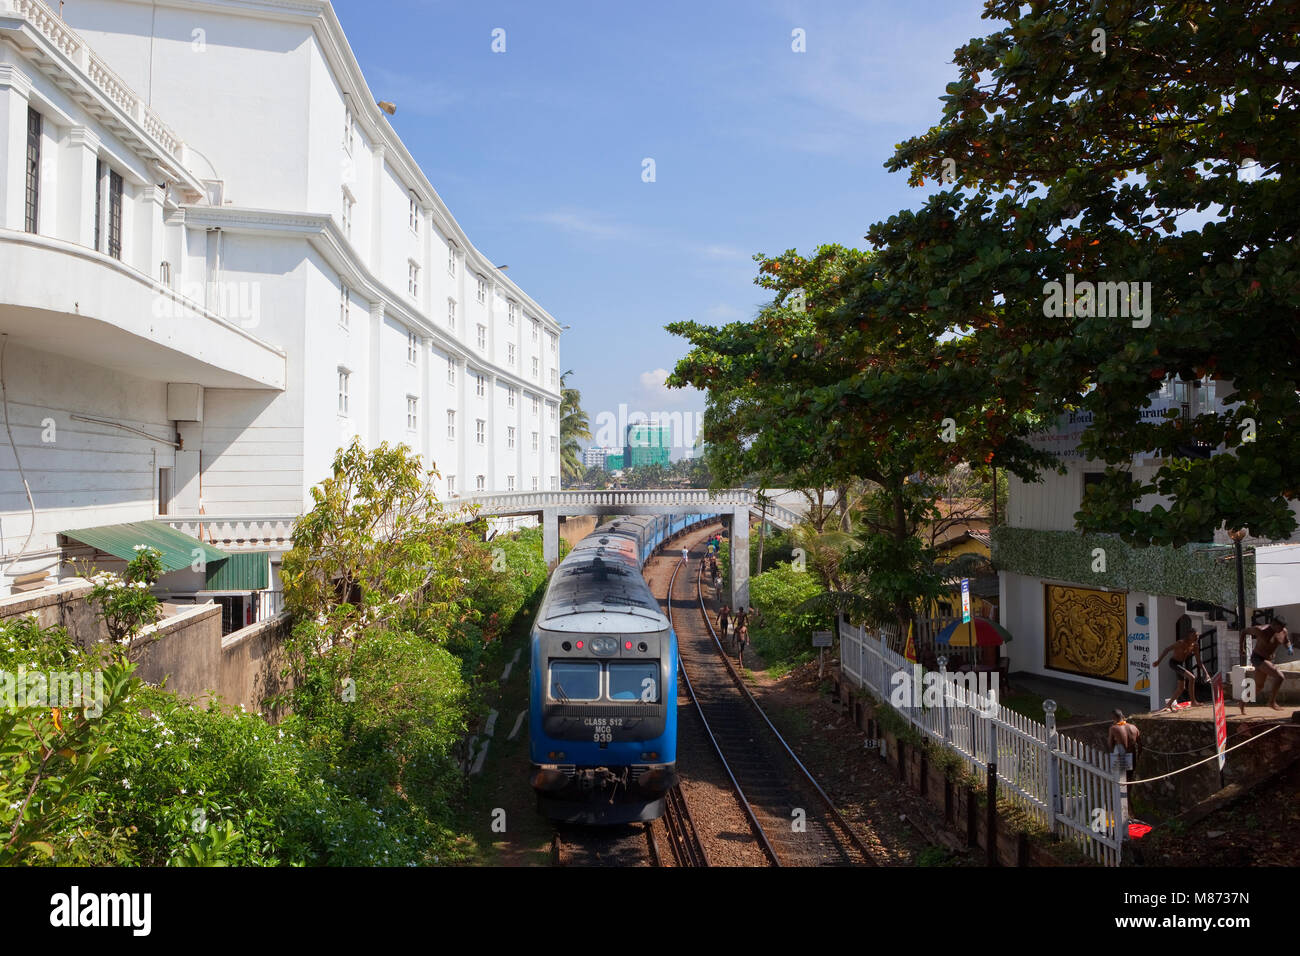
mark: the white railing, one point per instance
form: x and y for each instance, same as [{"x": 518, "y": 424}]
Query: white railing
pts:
[
  {"x": 1065, "y": 784},
  {"x": 686, "y": 498},
  {"x": 240, "y": 532},
  {"x": 50, "y": 25},
  {"x": 259, "y": 532}
]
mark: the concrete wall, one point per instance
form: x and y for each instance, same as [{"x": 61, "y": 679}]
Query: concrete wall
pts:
[{"x": 186, "y": 650}]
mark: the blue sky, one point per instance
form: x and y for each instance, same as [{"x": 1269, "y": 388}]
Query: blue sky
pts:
[{"x": 538, "y": 151}]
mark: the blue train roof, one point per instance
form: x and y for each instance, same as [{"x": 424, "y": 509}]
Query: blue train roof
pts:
[{"x": 599, "y": 586}]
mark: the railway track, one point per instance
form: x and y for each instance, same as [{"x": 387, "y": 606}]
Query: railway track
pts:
[
  {"x": 629, "y": 845},
  {"x": 791, "y": 816}
]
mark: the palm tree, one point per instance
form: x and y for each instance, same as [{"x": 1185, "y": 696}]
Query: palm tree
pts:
[{"x": 573, "y": 425}]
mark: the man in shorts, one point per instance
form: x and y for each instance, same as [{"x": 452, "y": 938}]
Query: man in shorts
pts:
[
  {"x": 1127, "y": 736},
  {"x": 1182, "y": 655},
  {"x": 1267, "y": 640}
]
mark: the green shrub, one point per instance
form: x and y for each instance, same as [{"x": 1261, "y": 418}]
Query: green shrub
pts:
[{"x": 783, "y": 631}]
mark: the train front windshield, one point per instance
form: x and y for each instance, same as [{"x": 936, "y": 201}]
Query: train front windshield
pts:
[{"x": 575, "y": 680}]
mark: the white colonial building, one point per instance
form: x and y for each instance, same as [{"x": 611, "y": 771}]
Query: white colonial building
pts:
[{"x": 218, "y": 263}]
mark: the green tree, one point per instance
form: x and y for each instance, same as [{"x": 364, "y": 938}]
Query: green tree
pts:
[
  {"x": 1131, "y": 141},
  {"x": 822, "y": 390},
  {"x": 573, "y": 426}
]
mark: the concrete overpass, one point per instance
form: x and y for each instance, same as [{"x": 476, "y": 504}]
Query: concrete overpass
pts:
[
  {"x": 740, "y": 503},
  {"x": 274, "y": 532}
]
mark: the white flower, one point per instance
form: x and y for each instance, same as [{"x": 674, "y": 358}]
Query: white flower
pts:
[
  {"x": 182, "y": 790},
  {"x": 127, "y": 784}
]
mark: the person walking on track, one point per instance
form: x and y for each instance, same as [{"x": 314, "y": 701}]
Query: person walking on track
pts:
[
  {"x": 686, "y": 555},
  {"x": 724, "y": 621},
  {"x": 742, "y": 641}
]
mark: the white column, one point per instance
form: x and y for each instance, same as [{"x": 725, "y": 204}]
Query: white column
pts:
[
  {"x": 425, "y": 408},
  {"x": 77, "y": 215},
  {"x": 376, "y": 210},
  {"x": 374, "y": 375},
  {"x": 14, "y": 90}
]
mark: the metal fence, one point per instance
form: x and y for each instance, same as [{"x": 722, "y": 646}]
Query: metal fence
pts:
[{"x": 1064, "y": 784}]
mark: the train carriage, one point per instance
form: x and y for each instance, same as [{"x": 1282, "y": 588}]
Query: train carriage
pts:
[{"x": 603, "y": 707}]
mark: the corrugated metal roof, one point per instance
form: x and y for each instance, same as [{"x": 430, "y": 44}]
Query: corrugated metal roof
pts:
[
  {"x": 240, "y": 571},
  {"x": 176, "y": 547}
]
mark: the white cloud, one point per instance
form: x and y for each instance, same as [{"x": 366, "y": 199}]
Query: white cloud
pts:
[
  {"x": 655, "y": 395},
  {"x": 583, "y": 223}
]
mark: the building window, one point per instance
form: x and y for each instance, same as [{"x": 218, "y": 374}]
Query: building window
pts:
[
  {"x": 348, "y": 203},
  {"x": 480, "y": 386},
  {"x": 480, "y": 482},
  {"x": 537, "y": 406},
  {"x": 412, "y": 347},
  {"x": 510, "y": 482},
  {"x": 510, "y": 436},
  {"x": 164, "y": 490},
  {"x": 554, "y": 342},
  {"x": 451, "y": 423},
  {"x": 510, "y": 313},
  {"x": 536, "y": 367},
  {"x": 510, "y": 353},
  {"x": 510, "y": 396},
  {"x": 115, "y": 214},
  {"x": 481, "y": 292},
  {"x": 535, "y": 329},
  {"x": 415, "y": 215},
  {"x": 33, "y": 170},
  {"x": 165, "y": 273},
  {"x": 551, "y": 407},
  {"x": 344, "y": 375},
  {"x": 555, "y": 378},
  {"x": 534, "y": 482},
  {"x": 101, "y": 184},
  {"x": 345, "y": 305},
  {"x": 555, "y": 445},
  {"x": 555, "y": 483},
  {"x": 480, "y": 431},
  {"x": 535, "y": 442},
  {"x": 482, "y": 338},
  {"x": 451, "y": 370},
  {"x": 413, "y": 279},
  {"x": 348, "y": 127},
  {"x": 451, "y": 258},
  {"x": 451, "y": 313},
  {"x": 451, "y": 485},
  {"x": 412, "y": 412}
]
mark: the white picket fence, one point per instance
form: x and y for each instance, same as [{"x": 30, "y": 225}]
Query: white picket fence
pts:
[{"x": 1065, "y": 784}]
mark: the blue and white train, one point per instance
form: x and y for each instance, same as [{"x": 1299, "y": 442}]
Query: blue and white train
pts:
[{"x": 603, "y": 708}]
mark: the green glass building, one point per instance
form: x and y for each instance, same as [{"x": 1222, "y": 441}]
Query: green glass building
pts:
[{"x": 648, "y": 443}]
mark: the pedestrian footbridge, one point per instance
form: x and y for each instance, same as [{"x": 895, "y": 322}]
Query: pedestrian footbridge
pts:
[
  {"x": 275, "y": 532},
  {"x": 550, "y": 506}
]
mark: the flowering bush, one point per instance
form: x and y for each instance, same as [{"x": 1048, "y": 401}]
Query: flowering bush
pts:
[{"x": 126, "y": 605}]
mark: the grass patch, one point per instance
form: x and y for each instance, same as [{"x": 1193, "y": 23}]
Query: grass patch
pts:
[{"x": 1031, "y": 706}]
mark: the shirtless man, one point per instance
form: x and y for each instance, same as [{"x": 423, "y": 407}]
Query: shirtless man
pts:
[
  {"x": 1127, "y": 736},
  {"x": 1182, "y": 654},
  {"x": 1267, "y": 640}
]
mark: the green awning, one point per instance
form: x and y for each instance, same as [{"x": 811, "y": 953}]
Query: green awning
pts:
[
  {"x": 240, "y": 571},
  {"x": 178, "y": 549},
  {"x": 237, "y": 571}
]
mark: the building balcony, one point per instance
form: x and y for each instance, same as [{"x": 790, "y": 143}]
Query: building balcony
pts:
[{"x": 69, "y": 300}]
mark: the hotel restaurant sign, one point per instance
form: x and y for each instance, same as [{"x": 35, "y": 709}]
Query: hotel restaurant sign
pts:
[{"x": 1063, "y": 440}]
